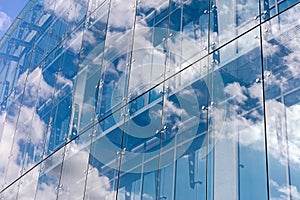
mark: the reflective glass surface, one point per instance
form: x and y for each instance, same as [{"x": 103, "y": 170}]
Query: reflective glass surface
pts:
[
  {"x": 282, "y": 94},
  {"x": 162, "y": 99},
  {"x": 236, "y": 121}
]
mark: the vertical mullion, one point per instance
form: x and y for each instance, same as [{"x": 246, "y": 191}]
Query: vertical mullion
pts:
[
  {"x": 122, "y": 146},
  {"x": 264, "y": 99},
  {"x": 163, "y": 127},
  {"x": 207, "y": 100}
]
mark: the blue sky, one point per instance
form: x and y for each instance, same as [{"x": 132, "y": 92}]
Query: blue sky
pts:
[{"x": 9, "y": 9}]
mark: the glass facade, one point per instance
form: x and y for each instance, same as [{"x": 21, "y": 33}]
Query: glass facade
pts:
[{"x": 162, "y": 99}]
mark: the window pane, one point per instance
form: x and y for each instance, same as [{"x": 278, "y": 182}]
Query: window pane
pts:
[
  {"x": 236, "y": 121},
  {"x": 282, "y": 103}
]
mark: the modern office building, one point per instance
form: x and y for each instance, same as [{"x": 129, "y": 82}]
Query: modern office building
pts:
[{"x": 151, "y": 99}]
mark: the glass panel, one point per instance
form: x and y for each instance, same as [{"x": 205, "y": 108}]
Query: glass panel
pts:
[
  {"x": 282, "y": 103},
  {"x": 228, "y": 19},
  {"x": 9, "y": 151},
  {"x": 188, "y": 34},
  {"x": 74, "y": 168},
  {"x": 49, "y": 178},
  {"x": 117, "y": 57},
  {"x": 25, "y": 38},
  {"x": 30, "y": 127},
  {"x": 11, "y": 192},
  {"x": 42, "y": 108},
  {"x": 17, "y": 81},
  {"x": 236, "y": 121},
  {"x": 76, "y": 13},
  {"x": 141, "y": 145},
  {"x": 166, "y": 176},
  {"x": 68, "y": 13},
  {"x": 104, "y": 160},
  {"x": 38, "y": 99},
  {"x": 28, "y": 184},
  {"x": 95, "y": 4},
  {"x": 183, "y": 149},
  {"x": 7, "y": 75},
  {"x": 271, "y": 8},
  {"x": 62, "y": 101},
  {"x": 191, "y": 172},
  {"x": 149, "y": 48},
  {"x": 285, "y": 4},
  {"x": 16, "y": 48},
  {"x": 45, "y": 37},
  {"x": 59, "y": 124},
  {"x": 88, "y": 79}
]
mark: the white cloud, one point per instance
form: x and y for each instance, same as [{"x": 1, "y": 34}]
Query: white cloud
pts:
[
  {"x": 293, "y": 59},
  {"x": 69, "y": 10},
  {"x": 29, "y": 126},
  {"x": 248, "y": 129},
  {"x": 75, "y": 40},
  {"x": 270, "y": 49},
  {"x": 72, "y": 180},
  {"x": 285, "y": 191},
  {"x": 8, "y": 155},
  {"x": 64, "y": 81},
  {"x": 159, "y": 4},
  {"x": 23, "y": 124},
  {"x": 237, "y": 92},
  {"x": 122, "y": 14},
  {"x": 285, "y": 33},
  {"x": 171, "y": 109},
  {"x": 5, "y": 21}
]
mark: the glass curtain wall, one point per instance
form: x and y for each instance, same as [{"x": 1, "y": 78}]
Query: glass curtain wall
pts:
[{"x": 162, "y": 99}]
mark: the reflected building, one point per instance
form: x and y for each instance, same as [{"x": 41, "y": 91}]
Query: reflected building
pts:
[{"x": 177, "y": 99}]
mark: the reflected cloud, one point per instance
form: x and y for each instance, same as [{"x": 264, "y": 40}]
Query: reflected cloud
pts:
[
  {"x": 285, "y": 191},
  {"x": 283, "y": 34},
  {"x": 74, "y": 43},
  {"x": 23, "y": 132},
  {"x": 158, "y": 5},
  {"x": 246, "y": 127},
  {"x": 64, "y": 81},
  {"x": 171, "y": 109},
  {"x": 74, "y": 173},
  {"x": 270, "y": 49},
  {"x": 72, "y": 181},
  {"x": 35, "y": 86},
  {"x": 242, "y": 125},
  {"x": 237, "y": 92},
  {"x": 234, "y": 19},
  {"x": 5, "y": 21},
  {"x": 292, "y": 60},
  {"x": 14, "y": 142},
  {"x": 122, "y": 14},
  {"x": 69, "y": 10}
]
